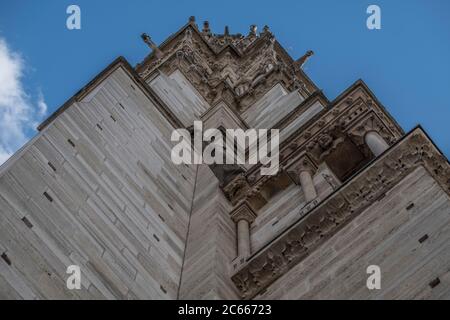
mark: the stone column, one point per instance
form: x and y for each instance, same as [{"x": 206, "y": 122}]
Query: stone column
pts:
[
  {"x": 243, "y": 215},
  {"x": 307, "y": 184},
  {"x": 243, "y": 236},
  {"x": 375, "y": 142}
]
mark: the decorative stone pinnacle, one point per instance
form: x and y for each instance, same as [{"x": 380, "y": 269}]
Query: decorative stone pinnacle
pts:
[
  {"x": 253, "y": 29},
  {"x": 243, "y": 212},
  {"x": 192, "y": 19},
  {"x": 206, "y": 27},
  {"x": 299, "y": 63},
  {"x": 227, "y": 31},
  {"x": 151, "y": 44}
]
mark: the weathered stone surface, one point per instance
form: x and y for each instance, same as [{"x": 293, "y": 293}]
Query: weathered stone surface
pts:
[
  {"x": 114, "y": 203},
  {"x": 97, "y": 188},
  {"x": 386, "y": 234}
]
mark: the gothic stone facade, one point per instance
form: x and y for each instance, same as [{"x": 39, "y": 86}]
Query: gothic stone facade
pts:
[{"x": 97, "y": 188}]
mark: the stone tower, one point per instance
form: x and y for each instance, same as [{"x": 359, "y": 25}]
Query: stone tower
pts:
[{"x": 96, "y": 188}]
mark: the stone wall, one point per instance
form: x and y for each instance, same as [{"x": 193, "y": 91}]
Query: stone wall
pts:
[
  {"x": 96, "y": 188},
  {"x": 406, "y": 233},
  {"x": 211, "y": 243}
]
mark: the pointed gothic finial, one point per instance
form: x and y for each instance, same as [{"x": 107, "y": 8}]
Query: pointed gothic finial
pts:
[
  {"x": 227, "y": 31},
  {"x": 192, "y": 19},
  {"x": 265, "y": 28},
  {"x": 300, "y": 62},
  {"x": 152, "y": 45},
  {"x": 206, "y": 27},
  {"x": 253, "y": 29}
]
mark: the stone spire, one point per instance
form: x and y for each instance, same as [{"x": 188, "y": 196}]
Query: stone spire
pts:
[
  {"x": 266, "y": 29},
  {"x": 253, "y": 30},
  {"x": 206, "y": 29}
]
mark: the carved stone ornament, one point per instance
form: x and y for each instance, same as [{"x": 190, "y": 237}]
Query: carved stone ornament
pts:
[
  {"x": 238, "y": 69},
  {"x": 370, "y": 123},
  {"x": 303, "y": 163},
  {"x": 336, "y": 211},
  {"x": 237, "y": 189}
]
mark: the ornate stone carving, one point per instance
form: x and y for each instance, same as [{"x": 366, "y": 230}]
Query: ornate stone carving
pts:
[
  {"x": 325, "y": 142},
  {"x": 237, "y": 189},
  {"x": 302, "y": 60},
  {"x": 369, "y": 123},
  {"x": 236, "y": 68},
  {"x": 243, "y": 212},
  {"x": 337, "y": 123},
  {"x": 332, "y": 214}
]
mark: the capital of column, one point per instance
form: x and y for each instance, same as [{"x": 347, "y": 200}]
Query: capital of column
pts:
[
  {"x": 243, "y": 212},
  {"x": 305, "y": 165}
]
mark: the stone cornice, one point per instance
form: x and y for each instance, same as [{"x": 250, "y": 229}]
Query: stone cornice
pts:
[{"x": 338, "y": 209}]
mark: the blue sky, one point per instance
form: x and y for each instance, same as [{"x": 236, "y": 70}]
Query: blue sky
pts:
[{"x": 406, "y": 63}]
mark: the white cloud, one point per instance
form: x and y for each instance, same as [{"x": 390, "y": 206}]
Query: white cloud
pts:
[
  {"x": 3, "y": 155},
  {"x": 18, "y": 115},
  {"x": 42, "y": 106}
]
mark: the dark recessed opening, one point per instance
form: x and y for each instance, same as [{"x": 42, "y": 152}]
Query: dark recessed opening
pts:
[
  {"x": 156, "y": 237},
  {"x": 113, "y": 119},
  {"x": 51, "y": 166},
  {"x": 410, "y": 206},
  {"x": 71, "y": 143},
  {"x": 161, "y": 218},
  {"x": 6, "y": 258},
  {"x": 434, "y": 283},
  {"x": 100, "y": 127},
  {"x": 27, "y": 222},
  {"x": 275, "y": 222},
  {"x": 121, "y": 106},
  {"x": 163, "y": 289},
  {"x": 49, "y": 198},
  {"x": 423, "y": 238}
]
